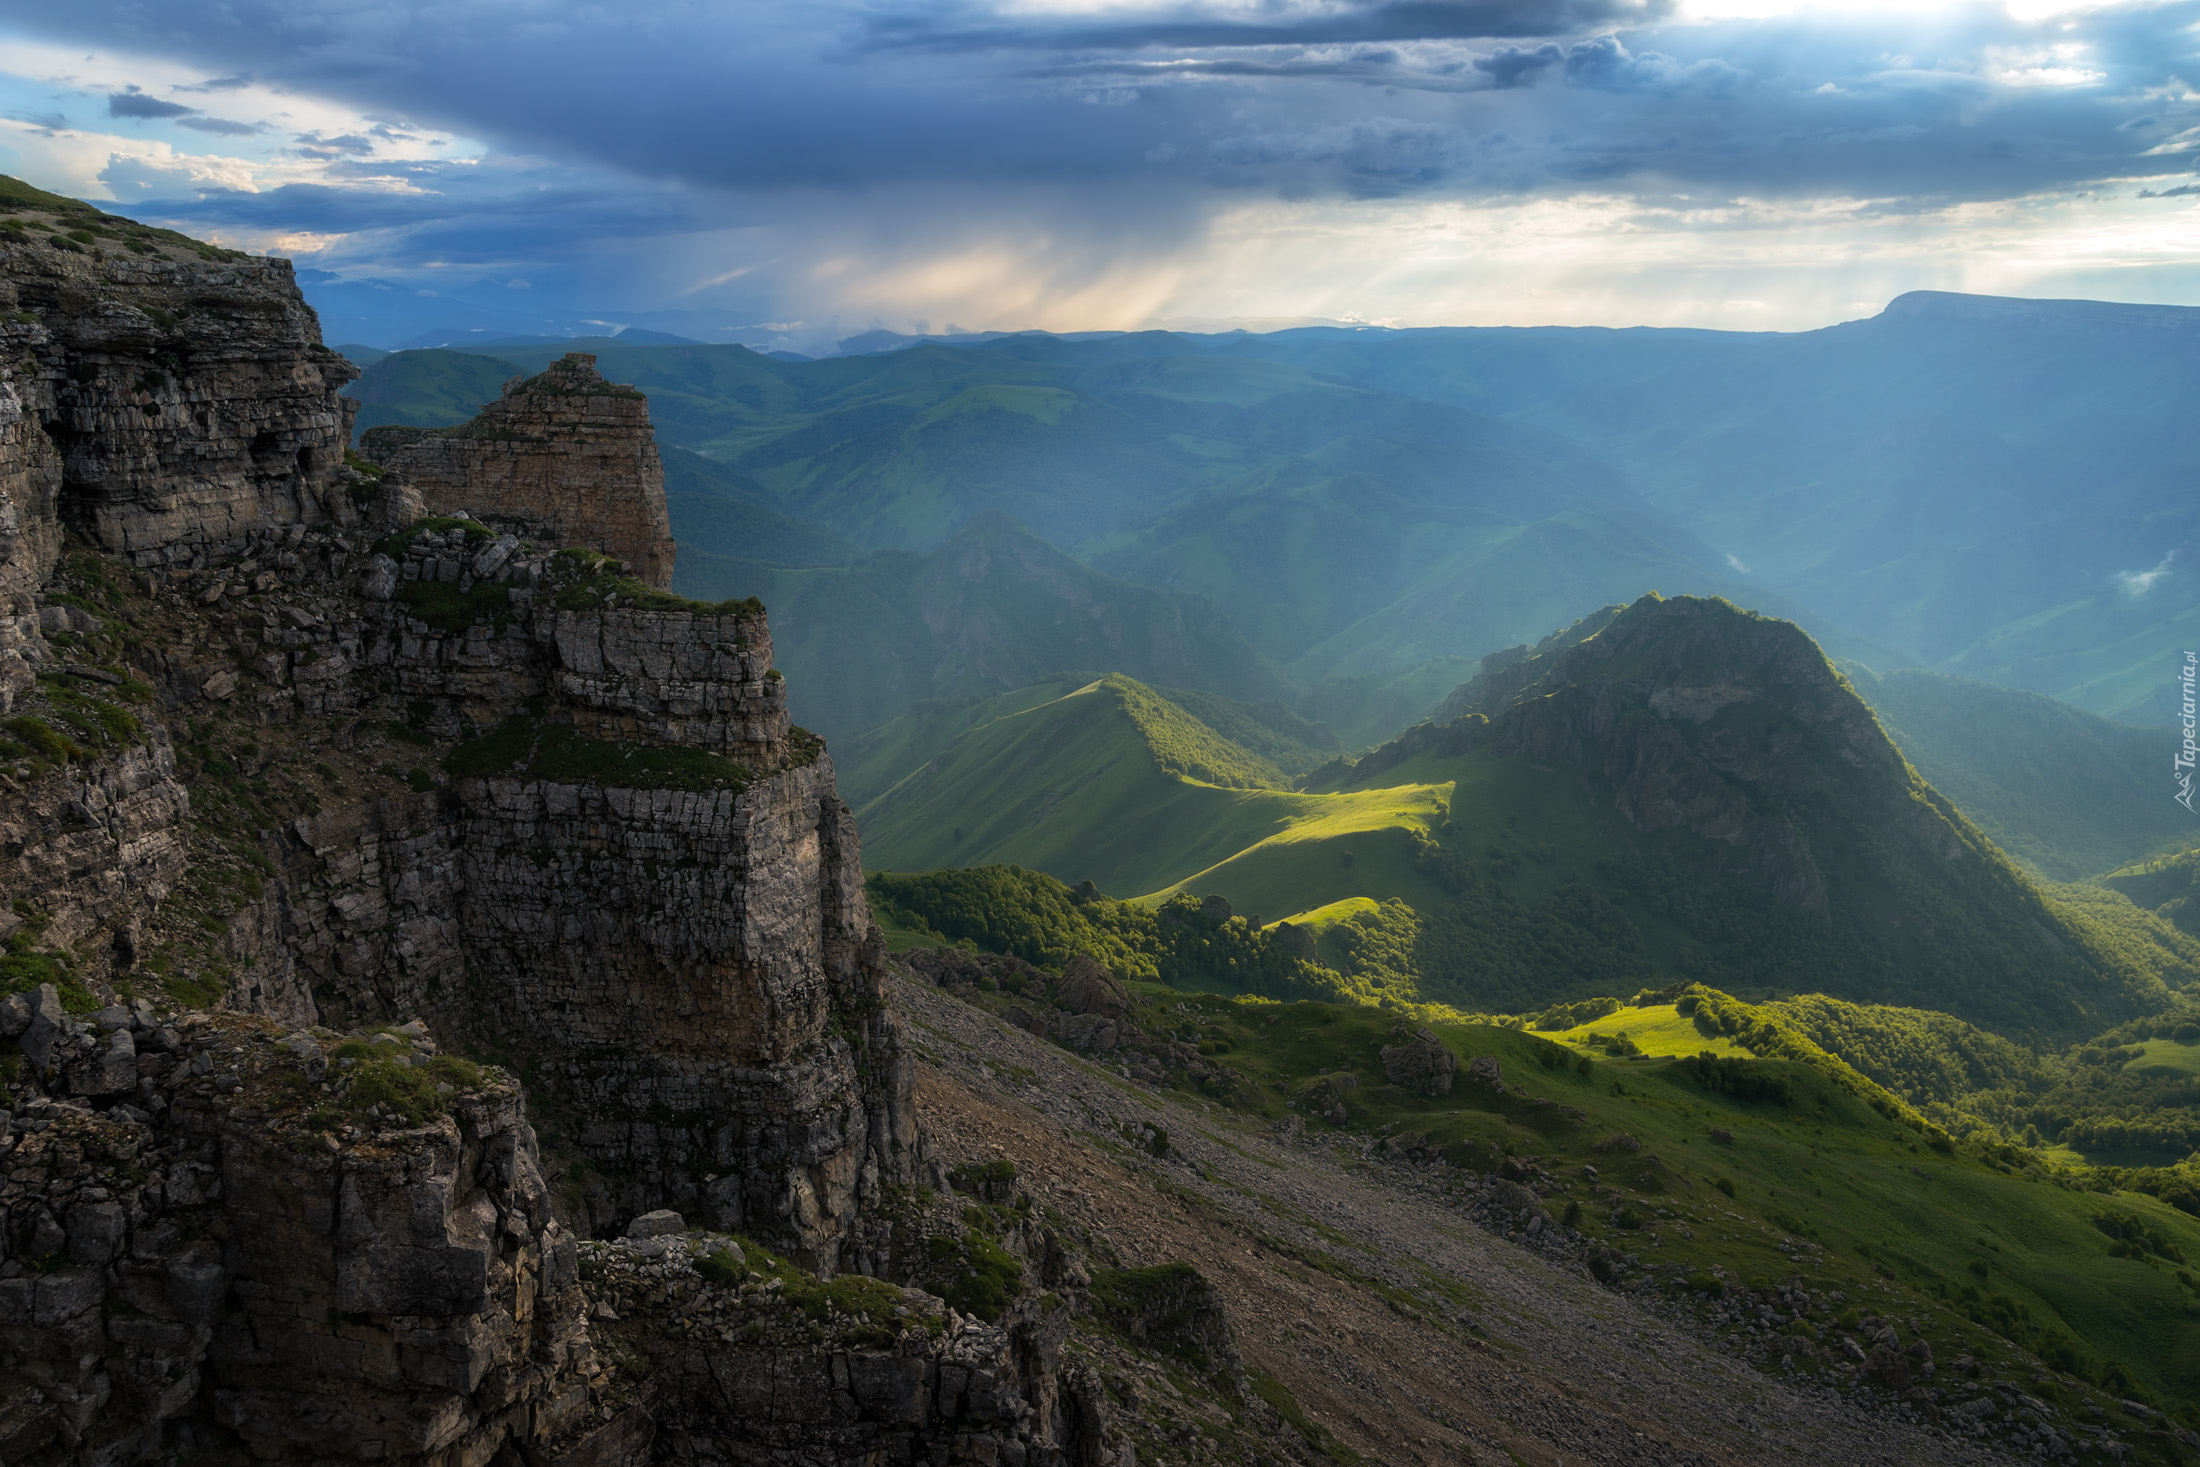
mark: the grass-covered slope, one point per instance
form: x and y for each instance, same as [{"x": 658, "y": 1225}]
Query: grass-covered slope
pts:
[
  {"x": 1690, "y": 793},
  {"x": 2070, "y": 794},
  {"x": 718, "y": 514},
  {"x": 2168, "y": 886},
  {"x": 1763, "y": 1175},
  {"x": 1281, "y": 744},
  {"x": 1109, "y": 783}
]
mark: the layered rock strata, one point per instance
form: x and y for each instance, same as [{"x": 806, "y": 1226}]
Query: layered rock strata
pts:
[
  {"x": 318, "y": 1247},
  {"x": 160, "y": 398},
  {"x": 564, "y": 452},
  {"x": 639, "y": 880},
  {"x": 163, "y": 403}
]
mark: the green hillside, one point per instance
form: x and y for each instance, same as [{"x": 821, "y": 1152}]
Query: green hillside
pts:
[
  {"x": 1706, "y": 1151},
  {"x": 1105, "y": 783},
  {"x": 2168, "y": 886},
  {"x": 2070, "y": 794},
  {"x": 428, "y": 389},
  {"x": 716, "y": 512},
  {"x": 1690, "y": 793},
  {"x": 1283, "y": 744}
]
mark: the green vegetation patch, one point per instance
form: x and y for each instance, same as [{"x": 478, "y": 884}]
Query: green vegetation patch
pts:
[
  {"x": 383, "y": 1079},
  {"x": 24, "y": 966},
  {"x": 524, "y": 747},
  {"x": 395, "y": 545},
  {"x": 447, "y": 609},
  {"x": 599, "y": 587},
  {"x": 974, "y": 1274},
  {"x": 28, "y": 736},
  {"x": 1186, "y": 942},
  {"x": 860, "y": 1309}
]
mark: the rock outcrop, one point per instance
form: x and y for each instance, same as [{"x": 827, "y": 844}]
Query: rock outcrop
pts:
[
  {"x": 159, "y": 397},
  {"x": 564, "y": 453},
  {"x": 328, "y": 1248}
]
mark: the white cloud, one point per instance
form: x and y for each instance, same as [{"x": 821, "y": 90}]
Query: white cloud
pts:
[{"x": 2137, "y": 583}]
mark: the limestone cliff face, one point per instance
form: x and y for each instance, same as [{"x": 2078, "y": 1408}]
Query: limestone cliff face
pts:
[
  {"x": 637, "y": 877},
  {"x": 564, "y": 451},
  {"x": 270, "y": 1247},
  {"x": 158, "y": 397},
  {"x": 278, "y": 757}
]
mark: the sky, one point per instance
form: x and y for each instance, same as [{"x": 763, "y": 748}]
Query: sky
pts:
[{"x": 793, "y": 171}]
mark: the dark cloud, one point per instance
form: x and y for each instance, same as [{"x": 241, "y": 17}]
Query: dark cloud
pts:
[
  {"x": 1517, "y": 66},
  {"x": 222, "y": 126},
  {"x": 1275, "y": 25},
  {"x": 134, "y": 103},
  {"x": 603, "y": 125},
  {"x": 1375, "y": 156},
  {"x": 347, "y": 145}
]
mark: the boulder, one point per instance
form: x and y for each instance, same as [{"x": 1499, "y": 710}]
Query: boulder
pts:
[
  {"x": 1421, "y": 1064},
  {"x": 1891, "y": 1369},
  {"x": 378, "y": 582},
  {"x": 108, "y": 1071},
  {"x": 46, "y": 1027},
  {"x": 663, "y": 1223},
  {"x": 1089, "y": 988},
  {"x": 1483, "y": 1070},
  {"x": 1089, "y": 1031}
]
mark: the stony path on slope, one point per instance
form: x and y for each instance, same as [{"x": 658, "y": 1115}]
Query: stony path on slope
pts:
[{"x": 1562, "y": 1372}]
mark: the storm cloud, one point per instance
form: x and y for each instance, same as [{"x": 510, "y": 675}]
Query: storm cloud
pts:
[{"x": 705, "y": 147}]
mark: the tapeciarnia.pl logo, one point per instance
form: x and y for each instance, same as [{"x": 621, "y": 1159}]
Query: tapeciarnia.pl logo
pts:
[{"x": 2187, "y": 720}]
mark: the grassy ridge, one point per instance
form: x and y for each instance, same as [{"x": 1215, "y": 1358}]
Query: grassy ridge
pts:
[
  {"x": 1070, "y": 786},
  {"x": 2168, "y": 886}
]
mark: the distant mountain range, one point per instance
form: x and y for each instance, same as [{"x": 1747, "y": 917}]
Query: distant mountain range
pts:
[{"x": 1997, "y": 489}]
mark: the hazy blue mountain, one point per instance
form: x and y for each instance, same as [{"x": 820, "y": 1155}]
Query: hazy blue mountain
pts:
[
  {"x": 993, "y": 610},
  {"x": 1348, "y": 532},
  {"x": 1994, "y": 487},
  {"x": 717, "y": 511},
  {"x": 427, "y": 389},
  {"x": 2068, "y": 793}
]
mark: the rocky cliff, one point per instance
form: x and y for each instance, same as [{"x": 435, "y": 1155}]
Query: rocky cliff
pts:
[
  {"x": 564, "y": 454},
  {"x": 159, "y": 398},
  {"x": 270, "y": 764}
]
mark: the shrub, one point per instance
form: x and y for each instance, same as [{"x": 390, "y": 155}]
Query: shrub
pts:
[
  {"x": 528, "y": 748},
  {"x": 1726, "y": 1185},
  {"x": 1747, "y": 1080},
  {"x": 722, "y": 1268},
  {"x": 39, "y": 737},
  {"x": 976, "y": 1275}
]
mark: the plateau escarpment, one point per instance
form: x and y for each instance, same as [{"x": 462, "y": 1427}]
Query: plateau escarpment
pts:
[
  {"x": 264, "y": 753},
  {"x": 158, "y": 397}
]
